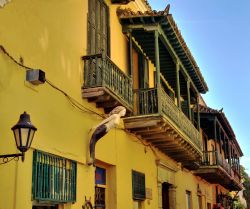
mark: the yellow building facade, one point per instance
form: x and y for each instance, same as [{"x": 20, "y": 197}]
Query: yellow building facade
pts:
[{"x": 54, "y": 36}]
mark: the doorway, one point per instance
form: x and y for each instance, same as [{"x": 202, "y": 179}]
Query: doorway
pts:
[{"x": 165, "y": 195}]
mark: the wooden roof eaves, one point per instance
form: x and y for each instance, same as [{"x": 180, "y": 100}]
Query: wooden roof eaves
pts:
[
  {"x": 224, "y": 119},
  {"x": 169, "y": 28},
  {"x": 175, "y": 57},
  {"x": 157, "y": 27},
  {"x": 186, "y": 50},
  {"x": 220, "y": 115}
]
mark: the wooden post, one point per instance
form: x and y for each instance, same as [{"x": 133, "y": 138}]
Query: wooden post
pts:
[
  {"x": 220, "y": 139},
  {"x": 215, "y": 137},
  {"x": 178, "y": 84},
  {"x": 130, "y": 54},
  {"x": 157, "y": 58},
  {"x": 233, "y": 160},
  {"x": 158, "y": 73},
  {"x": 103, "y": 67},
  {"x": 238, "y": 164},
  {"x": 188, "y": 95},
  {"x": 198, "y": 114},
  {"x": 131, "y": 70},
  {"x": 229, "y": 152},
  {"x": 224, "y": 143}
]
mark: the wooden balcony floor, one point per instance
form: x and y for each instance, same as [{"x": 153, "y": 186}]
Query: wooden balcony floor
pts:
[
  {"x": 156, "y": 130},
  {"x": 217, "y": 175},
  {"x": 104, "y": 98}
]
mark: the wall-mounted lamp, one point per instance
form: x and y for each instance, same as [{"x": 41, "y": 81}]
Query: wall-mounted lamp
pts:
[{"x": 24, "y": 132}]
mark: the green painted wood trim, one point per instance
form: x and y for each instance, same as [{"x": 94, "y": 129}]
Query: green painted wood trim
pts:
[
  {"x": 103, "y": 72},
  {"x": 188, "y": 99},
  {"x": 157, "y": 57},
  {"x": 147, "y": 105},
  {"x": 53, "y": 178},
  {"x": 220, "y": 140},
  {"x": 131, "y": 61},
  {"x": 176, "y": 59},
  {"x": 198, "y": 114},
  {"x": 165, "y": 41},
  {"x": 178, "y": 85},
  {"x": 158, "y": 70},
  {"x": 215, "y": 135},
  {"x": 229, "y": 152}
]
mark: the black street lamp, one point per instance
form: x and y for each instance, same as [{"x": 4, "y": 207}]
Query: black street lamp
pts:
[{"x": 24, "y": 132}]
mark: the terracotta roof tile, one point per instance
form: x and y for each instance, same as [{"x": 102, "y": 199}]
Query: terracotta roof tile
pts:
[
  {"x": 127, "y": 12},
  {"x": 147, "y": 4}
]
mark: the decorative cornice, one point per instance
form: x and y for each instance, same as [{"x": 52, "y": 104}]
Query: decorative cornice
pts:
[{"x": 165, "y": 165}]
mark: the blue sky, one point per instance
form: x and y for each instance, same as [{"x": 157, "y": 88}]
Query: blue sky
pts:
[{"x": 218, "y": 34}]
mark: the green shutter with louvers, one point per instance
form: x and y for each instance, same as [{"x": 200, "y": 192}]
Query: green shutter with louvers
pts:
[
  {"x": 138, "y": 185},
  {"x": 53, "y": 178},
  {"x": 98, "y": 27}
]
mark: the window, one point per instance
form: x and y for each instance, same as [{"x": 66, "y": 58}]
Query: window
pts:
[
  {"x": 100, "y": 193},
  {"x": 98, "y": 27},
  {"x": 53, "y": 178},
  {"x": 138, "y": 185},
  {"x": 189, "y": 200}
]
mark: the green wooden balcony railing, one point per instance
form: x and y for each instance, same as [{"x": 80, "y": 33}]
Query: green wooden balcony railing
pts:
[
  {"x": 213, "y": 158},
  {"x": 53, "y": 178},
  {"x": 101, "y": 71},
  {"x": 156, "y": 101}
]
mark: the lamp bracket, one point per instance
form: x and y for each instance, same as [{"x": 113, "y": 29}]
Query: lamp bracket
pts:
[{"x": 8, "y": 157}]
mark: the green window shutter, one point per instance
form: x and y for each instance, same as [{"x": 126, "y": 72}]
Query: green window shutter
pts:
[
  {"x": 98, "y": 27},
  {"x": 53, "y": 178},
  {"x": 91, "y": 27},
  {"x": 138, "y": 185}
]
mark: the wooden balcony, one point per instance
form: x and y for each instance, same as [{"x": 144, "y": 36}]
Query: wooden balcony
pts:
[
  {"x": 217, "y": 170},
  {"x": 106, "y": 84},
  {"x": 160, "y": 122}
]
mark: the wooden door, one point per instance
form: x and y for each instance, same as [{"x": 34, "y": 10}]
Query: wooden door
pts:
[{"x": 165, "y": 196}]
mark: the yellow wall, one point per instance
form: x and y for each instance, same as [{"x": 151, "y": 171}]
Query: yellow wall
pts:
[
  {"x": 51, "y": 35},
  {"x": 188, "y": 182}
]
